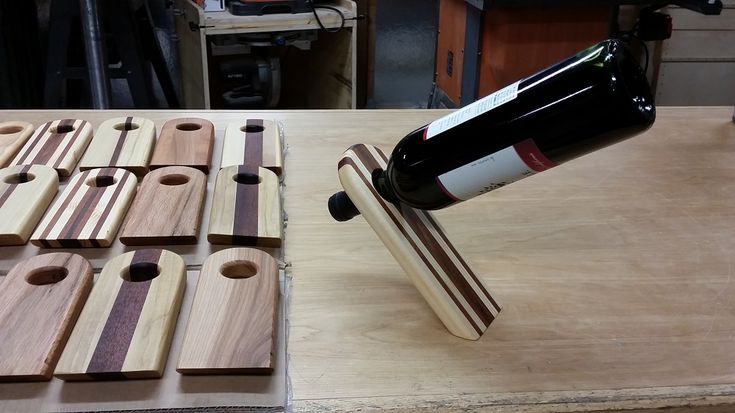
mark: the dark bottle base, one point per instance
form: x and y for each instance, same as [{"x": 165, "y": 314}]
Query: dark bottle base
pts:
[{"x": 341, "y": 207}]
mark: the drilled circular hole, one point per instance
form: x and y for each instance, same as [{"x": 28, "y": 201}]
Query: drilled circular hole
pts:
[
  {"x": 188, "y": 126},
  {"x": 46, "y": 275},
  {"x": 174, "y": 179},
  {"x": 62, "y": 129},
  {"x": 101, "y": 181},
  {"x": 239, "y": 269},
  {"x": 7, "y": 130},
  {"x": 126, "y": 126},
  {"x": 246, "y": 178},
  {"x": 252, "y": 129},
  {"x": 140, "y": 272},
  {"x": 16, "y": 179}
]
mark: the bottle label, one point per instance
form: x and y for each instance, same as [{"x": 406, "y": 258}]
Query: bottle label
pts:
[
  {"x": 472, "y": 110},
  {"x": 494, "y": 171}
]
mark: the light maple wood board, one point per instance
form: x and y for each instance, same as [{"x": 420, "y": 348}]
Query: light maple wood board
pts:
[
  {"x": 232, "y": 320},
  {"x": 126, "y": 326},
  {"x": 58, "y": 144},
  {"x": 417, "y": 241},
  {"x": 184, "y": 142},
  {"x": 89, "y": 211},
  {"x": 167, "y": 209},
  {"x": 255, "y": 142},
  {"x": 40, "y": 300},
  {"x": 25, "y": 193},
  {"x": 246, "y": 208},
  {"x": 122, "y": 142},
  {"x": 13, "y": 134}
]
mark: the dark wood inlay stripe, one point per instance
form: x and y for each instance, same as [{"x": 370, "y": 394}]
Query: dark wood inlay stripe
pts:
[
  {"x": 112, "y": 346},
  {"x": 111, "y": 204},
  {"x": 63, "y": 207},
  {"x": 70, "y": 143},
  {"x": 22, "y": 177},
  {"x": 253, "y": 155},
  {"x": 34, "y": 141},
  {"x": 245, "y": 220},
  {"x": 81, "y": 215},
  {"x": 121, "y": 141},
  {"x": 52, "y": 143}
]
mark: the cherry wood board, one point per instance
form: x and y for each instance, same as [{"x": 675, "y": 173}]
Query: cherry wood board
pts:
[
  {"x": 126, "y": 326},
  {"x": 167, "y": 209},
  {"x": 417, "y": 241},
  {"x": 25, "y": 193},
  {"x": 58, "y": 144},
  {"x": 233, "y": 318},
  {"x": 246, "y": 208},
  {"x": 89, "y": 211},
  {"x": 253, "y": 142},
  {"x": 13, "y": 134},
  {"x": 184, "y": 142},
  {"x": 122, "y": 142},
  {"x": 40, "y": 300}
]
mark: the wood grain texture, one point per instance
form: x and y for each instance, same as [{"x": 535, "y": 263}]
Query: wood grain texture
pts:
[
  {"x": 254, "y": 142},
  {"x": 122, "y": 142},
  {"x": 232, "y": 320},
  {"x": 126, "y": 326},
  {"x": 40, "y": 300},
  {"x": 184, "y": 142},
  {"x": 418, "y": 243},
  {"x": 89, "y": 211},
  {"x": 246, "y": 208},
  {"x": 13, "y": 135},
  {"x": 25, "y": 193},
  {"x": 168, "y": 208},
  {"x": 58, "y": 144}
]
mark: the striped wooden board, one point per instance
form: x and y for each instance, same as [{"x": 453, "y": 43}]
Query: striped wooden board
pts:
[
  {"x": 167, "y": 209},
  {"x": 58, "y": 144},
  {"x": 246, "y": 208},
  {"x": 89, "y": 211},
  {"x": 126, "y": 327},
  {"x": 13, "y": 135},
  {"x": 25, "y": 193},
  {"x": 253, "y": 142},
  {"x": 418, "y": 243},
  {"x": 125, "y": 142},
  {"x": 232, "y": 321},
  {"x": 185, "y": 142},
  {"x": 40, "y": 300}
]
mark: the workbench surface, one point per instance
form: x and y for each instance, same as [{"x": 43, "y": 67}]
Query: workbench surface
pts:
[{"x": 614, "y": 272}]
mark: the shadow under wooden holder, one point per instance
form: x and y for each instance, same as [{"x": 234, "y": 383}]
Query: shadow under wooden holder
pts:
[{"x": 418, "y": 243}]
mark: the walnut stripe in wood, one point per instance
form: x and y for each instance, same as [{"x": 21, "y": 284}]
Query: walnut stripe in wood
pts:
[
  {"x": 124, "y": 142},
  {"x": 40, "y": 300},
  {"x": 420, "y": 246},
  {"x": 13, "y": 135},
  {"x": 25, "y": 193},
  {"x": 253, "y": 142},
  {"x": 232, "y": 321},
  {"x": 59, "y": 144},
  {"x": 184, "y": 142},
  {"x": 89, "y": 211},
  {"x": 246, "y": 208},
  {"x": 125, "y": 330},
  {"x": 167, "y": 209}
]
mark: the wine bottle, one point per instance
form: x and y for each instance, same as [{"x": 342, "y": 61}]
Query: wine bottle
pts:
[{"x": 593, "y": 99}]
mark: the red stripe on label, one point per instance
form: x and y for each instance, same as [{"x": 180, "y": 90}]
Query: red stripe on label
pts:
[
  {"x": 445, "y": 190},
  {"x": 532, "y": 156},
  {"x": 426, "y": 131}
]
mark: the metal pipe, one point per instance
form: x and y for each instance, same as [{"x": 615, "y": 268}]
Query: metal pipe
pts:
[{"x": 99, "y": 84}]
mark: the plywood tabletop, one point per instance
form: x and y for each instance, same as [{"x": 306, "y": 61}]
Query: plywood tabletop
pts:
[{"x": 615, "y": 273}]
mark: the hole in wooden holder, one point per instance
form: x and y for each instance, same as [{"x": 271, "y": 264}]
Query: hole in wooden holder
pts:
[
  {"x": 47, "y": 275},
  {"x": 246, "y": 178},
  {"x": 239, "y": 269},
  {"x": 7, "y": 130},
  {"x": 173, "y": 179},
  {"x": 252, "y": 129},
  {"x": 16, "y": 179},
  {"x": 62, "y": 129},
  {"x": 101, "y": 181},
  {"x": 140, "y": 272},
  {"x": 188, "y": 126},
  {"x": 126, "y": 126}
]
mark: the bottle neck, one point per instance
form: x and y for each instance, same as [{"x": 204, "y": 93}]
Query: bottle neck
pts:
[{"x": 383, "y": 186}]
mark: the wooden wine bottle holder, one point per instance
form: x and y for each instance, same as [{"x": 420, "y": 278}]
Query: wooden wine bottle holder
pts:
[{"x": 419, "y": 244}]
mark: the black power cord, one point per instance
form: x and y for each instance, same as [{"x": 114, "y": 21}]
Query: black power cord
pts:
[{"x": 342, "y": 17}]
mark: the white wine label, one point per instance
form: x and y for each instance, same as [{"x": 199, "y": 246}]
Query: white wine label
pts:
[
  {"x": 472, "y": 110},
  {"x": 494, "y": 171}
]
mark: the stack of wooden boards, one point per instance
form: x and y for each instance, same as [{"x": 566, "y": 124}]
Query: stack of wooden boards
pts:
[{"x": 152, "y": 192}]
